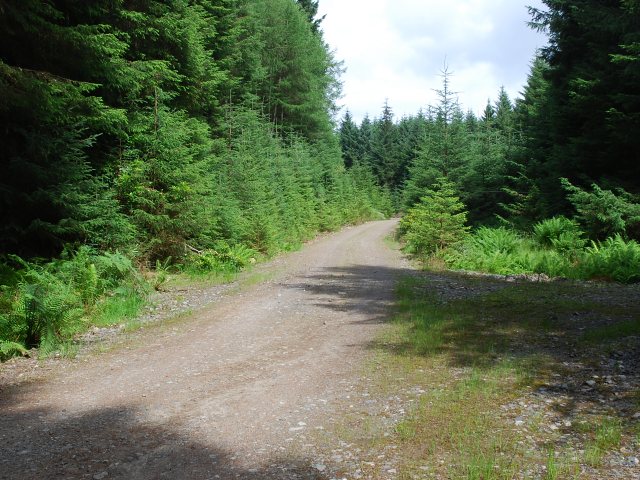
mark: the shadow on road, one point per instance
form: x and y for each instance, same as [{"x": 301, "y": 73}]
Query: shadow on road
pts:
[
  {"x": 362, "y": 289},
  {"x": 118, "y": 443},
  {"x": 579, "y": 340},
  {"x": 482, "y": 321}
]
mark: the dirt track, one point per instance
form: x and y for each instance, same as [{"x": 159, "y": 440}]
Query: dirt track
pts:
[{"x": 239, "y": 390}]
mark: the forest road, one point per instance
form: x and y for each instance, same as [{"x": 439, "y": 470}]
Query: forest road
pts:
[{"x": 244, "y": 388}]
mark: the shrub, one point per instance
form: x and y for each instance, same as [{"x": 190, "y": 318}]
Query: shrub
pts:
[
  {"x": 42, "y": 307},
  {"x": 491, "y": 240},
  {"x": 561, "y": 234},
  {"x": 552, "y": 263},
  {"x": 504, "y": 252},
  {"x": 490, "y": 250},
  {"x": 222, "y": 258},
  {"x": 615, "y": 258},
  {"x": 436, "y": 222},
  {"x": 48, "y": 303},
  {"x": 605, "y": 213}
]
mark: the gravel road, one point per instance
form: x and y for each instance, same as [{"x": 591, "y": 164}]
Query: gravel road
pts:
[{"x": 238, "y": 390}]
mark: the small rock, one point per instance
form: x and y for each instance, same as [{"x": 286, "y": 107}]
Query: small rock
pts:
[
  {"x": 100, "y": 476},
  {"x": 320, "y": 467},
  {"x": 591, "y": 383},
  {"x": 519, "y": 421}
]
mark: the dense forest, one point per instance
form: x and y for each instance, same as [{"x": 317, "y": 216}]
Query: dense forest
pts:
[
  {"x": 147, "y": 134},
  {"x": 147, "y": 125},
  {"x": 199, "y": 135},
  {"x": 560, "y": 165}
]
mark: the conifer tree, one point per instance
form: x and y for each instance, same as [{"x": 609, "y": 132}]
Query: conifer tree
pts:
[
  {"x": 437, "y": 222},
  {"x": 350, "y": 142},
  {"x": 441, "y": 154}
]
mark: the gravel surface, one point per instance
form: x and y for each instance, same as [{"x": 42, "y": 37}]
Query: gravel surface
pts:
[{"x": 240, "y": 389}]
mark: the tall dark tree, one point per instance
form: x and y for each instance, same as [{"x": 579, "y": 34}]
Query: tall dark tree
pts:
[
  {"x": 384, "y": 148},
  {"x": 442, "y": 152},
  {"x": 310, "y": 7},
  {"x": 350, "y": 141},
  {"x": 592, "y": 99}
]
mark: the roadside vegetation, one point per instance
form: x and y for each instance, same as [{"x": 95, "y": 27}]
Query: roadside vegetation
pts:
[
  {"x": 152, "y": 138},
  {"x": 434, "y": 231},
  {"x": 507, "y": 380}
]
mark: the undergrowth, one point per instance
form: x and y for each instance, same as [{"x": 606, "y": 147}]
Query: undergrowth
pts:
[
  {"x": 556, "y": 247},
  {"x": 45, "y": 304}
]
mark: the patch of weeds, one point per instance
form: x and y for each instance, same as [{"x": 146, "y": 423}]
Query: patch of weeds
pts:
[
  {"x": 406, "y": 429},
  {"x": 486, "y": 467},
  {"x": 68, "y": 349},
  {"x": 133, "y": 325},
  {"x": 118, "y": 308},
  {"x": 557, "y": 467},
  {"x": 190, "y": 279},
  {"x": 255, "y": 278},
  {"x": 476, "y": 347},
  {"x": 391, "y": 240},
  {"x": 606, "y": 436},
  {"x": 65, "y": 349},
  {"x": 552, "y": 470}
]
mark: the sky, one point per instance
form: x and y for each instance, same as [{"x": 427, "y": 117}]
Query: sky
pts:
[{"x": 395, "y": 50}]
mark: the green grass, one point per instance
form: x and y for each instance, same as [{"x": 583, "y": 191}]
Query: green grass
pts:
[
  {"x": 607, "y": 435},
  {"x": 476, "y": 349},
  {"x": 118, "y": 309}
]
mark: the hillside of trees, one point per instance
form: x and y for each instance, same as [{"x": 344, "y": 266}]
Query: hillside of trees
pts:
[
  {"x": 152, "y": 133},
  {"x": 146, "y": 125},
  {"x": 550, "y": 181}
]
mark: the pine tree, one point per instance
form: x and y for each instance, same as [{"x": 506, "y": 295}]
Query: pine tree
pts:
[
  {"x": 350, "y": 141},
  {"x": 437, "y": 222},
  {"x": 384, "y": 156},
  {"x": 592, "y": 98},
  {"x": 442, "y": 151}
]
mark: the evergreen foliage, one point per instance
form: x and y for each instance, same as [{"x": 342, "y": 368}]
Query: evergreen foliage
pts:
[
  {"x": 160, "y": 129},
  {"x": 558, "y": 166},
  {"x": 437, "y": 222},
  {"x": 604, "y": 213},
  {"x": 591, "y": 100}
]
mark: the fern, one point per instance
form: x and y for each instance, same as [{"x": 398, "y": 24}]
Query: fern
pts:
[
  {"x": 10, "y": 349},
  {"x": 560, "y": 233},
  {"x": 222, "y": 258},
  {"x": 615, "y": 258}
]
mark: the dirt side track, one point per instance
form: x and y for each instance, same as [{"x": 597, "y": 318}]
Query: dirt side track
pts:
[{"x": 233, "y": 392}]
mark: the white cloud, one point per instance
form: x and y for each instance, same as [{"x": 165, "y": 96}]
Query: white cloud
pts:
[{"x": 395, "y": 49}]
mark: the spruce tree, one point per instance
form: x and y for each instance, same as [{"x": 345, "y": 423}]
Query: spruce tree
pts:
[{"x": 437, "y": 221}]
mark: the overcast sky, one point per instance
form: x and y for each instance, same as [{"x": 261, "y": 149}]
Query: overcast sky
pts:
[{"x": 395, "y": 49}]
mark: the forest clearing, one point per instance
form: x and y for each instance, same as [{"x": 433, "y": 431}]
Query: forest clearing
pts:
[{"x": 308, "y": 368}]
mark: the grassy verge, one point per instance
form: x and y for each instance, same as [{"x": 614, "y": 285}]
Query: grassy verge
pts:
[{"x": 519, "y": 380}]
